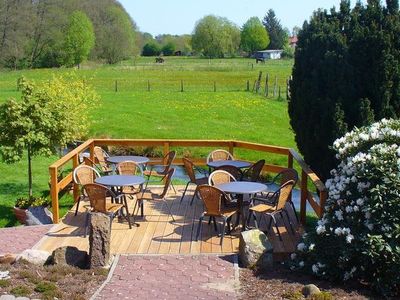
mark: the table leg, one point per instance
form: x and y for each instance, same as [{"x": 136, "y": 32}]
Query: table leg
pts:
[{"x": 241, "y": 208}]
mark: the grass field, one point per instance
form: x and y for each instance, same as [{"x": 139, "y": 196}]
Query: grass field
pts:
[{"x": 165, "y": 112}]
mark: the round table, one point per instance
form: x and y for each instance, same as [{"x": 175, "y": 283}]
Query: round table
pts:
[
  {"x": 120, "y": 180},
  {"x": 240, "y": 164},
  {"x": 241, "y": 188},
  {"x": 118, "y": 159}
]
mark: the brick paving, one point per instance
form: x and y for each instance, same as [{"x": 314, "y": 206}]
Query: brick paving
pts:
[
  {"x": 172, "y": 277},
  {"x": 17, "y": 239}
]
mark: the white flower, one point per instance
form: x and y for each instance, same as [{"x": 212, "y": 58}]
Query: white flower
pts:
[
  {"x": 301, "y": 247},
  {"x": 301, "y": 264},
  {"x": 315, "y": 269},
  {"x": 346, "y": 230},
  {"x": 339, "y": 215},
  {"x": 293, "y": 256},
  {"x": 311, "y": 247},
  {"x": 370, "y": 226},
  {"x": 367, "y": 215},
  {"x": 355, "y": 208},
  {"x": 349, "y": 209},
  {"x": 346, "y": 276},
  {"x": 338, "y": 231},
  {"x": 349, "y": 238},
  {"x": 320, "y": 229}
]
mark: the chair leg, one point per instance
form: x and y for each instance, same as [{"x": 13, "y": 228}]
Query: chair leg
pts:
[
  {"x": 169, "y": 209},
  {"x": 215, "y": 224},
  {"x": 184, "y": 192},
  {"x": 194, "y": 195},
  {"x": 209, "y": 220},
  {"x": 294, "y": 210},
  {"x": 277, "y": 228},
  {"x": 228, "y": 224},
  {"x": 199, "y": 228},
  {"x": 290, "y": 222},
  {"x": 173, "y": 187},
  {"x": 77, "y": 206},
  {"x": 128, "y": 217},
  {"x": 223, "y": 230},
  {"x": 142, "y": 208}
]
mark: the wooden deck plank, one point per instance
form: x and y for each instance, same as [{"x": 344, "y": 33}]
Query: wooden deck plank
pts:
[{"x": 157, "y": 233}]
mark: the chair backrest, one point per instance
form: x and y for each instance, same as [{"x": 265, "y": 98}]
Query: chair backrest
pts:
[
  {"x": 189, "y": 167},
  {"x": 212, "y": 198},
  {"x": 167, "y": 182},
  {"x": 219, "y": 177},
  {"x": 219, "y": 154},
  {"x": 283, "y": 194},
  {"x": 85, "y": 174},
  {"x": 129, "y": 168},
  {"x": 286, "y": 175},
  {"x": 97, "y": 196},
  {"x": 234, "y": 171},
  {"x": 253, "y": 173},
  {"x": 167, "y": 161},
  {"x": 101, "y": 155}
]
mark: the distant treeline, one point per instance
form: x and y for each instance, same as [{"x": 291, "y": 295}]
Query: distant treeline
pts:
[{"x": 46, "y": 33}]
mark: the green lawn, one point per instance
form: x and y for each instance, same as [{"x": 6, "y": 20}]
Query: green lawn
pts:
[{"x": 164, "y": 111}]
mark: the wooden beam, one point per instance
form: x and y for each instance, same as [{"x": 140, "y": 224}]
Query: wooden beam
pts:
[{"x": 54, "y": 194}]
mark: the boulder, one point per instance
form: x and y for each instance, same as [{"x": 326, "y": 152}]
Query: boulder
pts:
[
  {"x": 309, "y": 290},
  {"x": 37, "y": 257},
  {"x": 7, "y": 297},
  {"x": 69, "y": 256},
  {"x": 99, "y": 240},
  {"x": 38, "y": 215},
  {"x": 8, "y": 259},
  {"x": 255, "y": 250},
  {"x": 4, "y": 275}
]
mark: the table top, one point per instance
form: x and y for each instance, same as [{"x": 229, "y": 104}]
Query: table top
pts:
[
  {"x": 235, "y": 163},
  {"x": 120, "y": 180},
  {"x": 242, "y": 187},
  {"x": 136, "y": 159}
]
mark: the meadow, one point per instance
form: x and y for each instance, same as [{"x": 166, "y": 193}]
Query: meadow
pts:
[{"x": 142, "y": 99}]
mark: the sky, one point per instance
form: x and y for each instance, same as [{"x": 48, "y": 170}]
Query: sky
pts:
[{"x": 179, "y": 16}]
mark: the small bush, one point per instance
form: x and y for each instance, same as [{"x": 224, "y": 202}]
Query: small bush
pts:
[
  {"x": 4, "y": 283},
  {"x": 30, "y": 276},
  {"x": 45, "y": 286},
  {"x": 21, "y": 290}
]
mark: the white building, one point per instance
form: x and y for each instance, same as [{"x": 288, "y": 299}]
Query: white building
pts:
[{"x": 268, "y": 54}]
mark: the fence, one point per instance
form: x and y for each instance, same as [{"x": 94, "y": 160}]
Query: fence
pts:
[{"x": 307, "y": 174}]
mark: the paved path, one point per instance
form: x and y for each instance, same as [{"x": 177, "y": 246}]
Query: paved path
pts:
[
  {"x": 172, "y": 277},
  {"x": 17, "y": 239}
]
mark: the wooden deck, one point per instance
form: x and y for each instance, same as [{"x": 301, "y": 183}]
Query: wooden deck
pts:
[{"x": 158, "y": 234}]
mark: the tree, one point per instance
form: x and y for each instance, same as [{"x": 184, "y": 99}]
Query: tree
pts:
[
  {"x": 168, "y": 49},
  {"x": 151, "y": 49},
  {"x": 277, "y": 35},
  {"x": 79, "y": 39},
  {"x": 48, "y": 116},
  {"x": 215, "y": 37},
  {"x": 254, "y": 36},
  {"x": 346, "y": 74}
]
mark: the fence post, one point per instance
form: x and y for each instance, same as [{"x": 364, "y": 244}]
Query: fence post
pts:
[
  {"x": 258, "y": 82},
  {"x": 266, "y": 85},
  {"x": 275, "y": 86},
  {"x": 303, "y": 197},
  {"x": 181, "y": 86},
  {"x": 54, "y": 194},
  {"x": 288, "y": 89},
  {"x": 148, "y": 85},
  {"x": 215, "y": 86},
  {"x": 116, "y": 86},
  {"x": 279, "y": 92},
  {"x": 231, "y": 147},
  {"x": 248, "y": 86},
  {"x": 323, "y": 195},
  {"x": 75, "y": 164}
]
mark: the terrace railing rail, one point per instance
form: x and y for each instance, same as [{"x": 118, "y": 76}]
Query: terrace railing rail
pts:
[{"x": 307, "y": 175}]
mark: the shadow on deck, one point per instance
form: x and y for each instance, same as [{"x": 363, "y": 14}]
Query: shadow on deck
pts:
[{"x": 158, "y": 234}]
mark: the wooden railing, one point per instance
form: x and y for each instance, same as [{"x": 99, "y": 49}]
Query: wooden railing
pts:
[{"x": 292, "y": 156}]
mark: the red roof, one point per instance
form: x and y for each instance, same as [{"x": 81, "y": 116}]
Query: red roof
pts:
[{"x": 293, "y": 40}]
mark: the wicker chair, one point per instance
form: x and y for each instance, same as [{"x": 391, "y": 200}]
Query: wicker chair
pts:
[
  {"x": 98, "y": 195},
  {"x": 254, "y": 171},
  {"x": 190, "y": 170},
  {"x": 213, "y": 203},
  {"x": 234, "y": 171},
  {"x": 147, "y": 195},
  {"x": 84, "y": 175},
  {"x": 282, "y": 177},
  {"x": 219, "y": 154},
  {"x": 282, "y": 196},
  {"x": 101, "y": 155},
  {"x": 129, "y": 168},
  {"x": 165, "y": 167},
  {"x": 219, "y": 177}
]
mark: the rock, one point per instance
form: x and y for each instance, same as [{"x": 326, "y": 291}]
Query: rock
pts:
[
  {"x": 255, "y": 250},
  {"x": 99, "y": 240},
  {"x": 21, "y": 298},
  {"x": 8, "y": 259},
  {"x": 7, "y": 297},
  {"x": 38, "y": 216},
  {"x": 69, "y": 256},
  {"x": 4, "y": 275},
  {"x": 37, "y": 257},
  {"x": 310, "y": 289}
]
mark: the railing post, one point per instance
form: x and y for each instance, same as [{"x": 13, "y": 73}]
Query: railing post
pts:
[
  {"x": 54, "y": 194},
  {"x": 303, "y": 199},
  {"x": 75, "y": 164},
  {"x": 92, "y": 151},
  {"x": 323, "y": 195},
  {"x": 166, "y": 148},
  {"x": 290, "y": 160},
  {"x": 231, "y": 147}
]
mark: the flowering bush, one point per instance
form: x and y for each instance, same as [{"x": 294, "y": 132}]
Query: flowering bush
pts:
[{"x": 358, "y": 237}]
